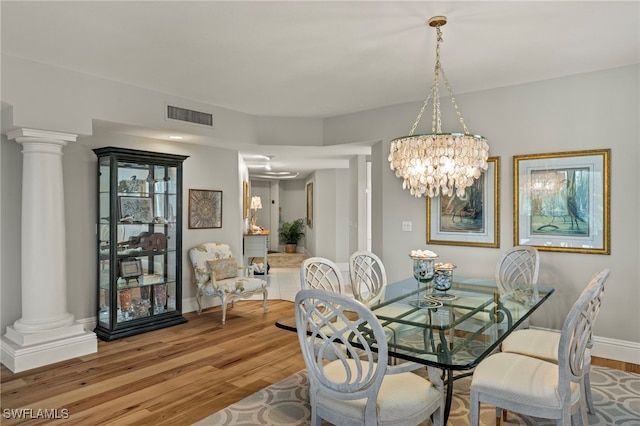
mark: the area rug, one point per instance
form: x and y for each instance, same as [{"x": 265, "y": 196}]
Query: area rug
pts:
[
  {"x": 616, "y": 397},
  {"x": 286, "y": 260}
]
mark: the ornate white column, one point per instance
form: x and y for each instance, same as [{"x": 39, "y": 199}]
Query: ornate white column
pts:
[{"x": 46, "y": 332}]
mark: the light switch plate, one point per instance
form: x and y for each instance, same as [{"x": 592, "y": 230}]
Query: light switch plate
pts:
[{"x": 406, "y": 226}]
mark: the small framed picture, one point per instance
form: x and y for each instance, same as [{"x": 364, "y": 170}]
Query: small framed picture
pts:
[
  {"x": 205, "y": 209},
  {"x": 245, "y": 199},
  {"x": 130, "y": 268},
  {"x": 138, "y": 209},
  {"x": 310, "y": 204}
]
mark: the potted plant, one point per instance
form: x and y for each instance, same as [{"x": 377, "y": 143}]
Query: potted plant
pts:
[{"x": 290, "y": 233}]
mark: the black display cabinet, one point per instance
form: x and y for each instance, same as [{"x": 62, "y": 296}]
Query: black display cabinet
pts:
[{"x": 139, "y": 241}]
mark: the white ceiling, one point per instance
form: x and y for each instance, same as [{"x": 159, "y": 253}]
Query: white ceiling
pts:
[{"x": 320, "y": 59}]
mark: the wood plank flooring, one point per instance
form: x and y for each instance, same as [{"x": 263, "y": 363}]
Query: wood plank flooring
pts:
[{"x": 173, "y": 376}]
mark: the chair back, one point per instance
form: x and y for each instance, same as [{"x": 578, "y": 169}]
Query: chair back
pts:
[
  {"x": 601, "y": 278},
  {"x": 576, "y": 335},
  {"x": 334, "y": 332},
  {"x": 321, "y": 273},
  {"x": 199, "y": 255},
  {"x": 517, "y": 272},
  {"x": 368, "y": 277}
]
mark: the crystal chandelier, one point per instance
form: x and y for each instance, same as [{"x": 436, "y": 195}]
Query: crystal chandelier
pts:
[{"x": 438, "y": 162}]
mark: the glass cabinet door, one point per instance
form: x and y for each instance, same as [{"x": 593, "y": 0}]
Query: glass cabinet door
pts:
[{"x": 139, "y": 205}]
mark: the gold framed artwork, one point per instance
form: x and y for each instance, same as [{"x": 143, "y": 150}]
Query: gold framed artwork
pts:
[
  {"x": 245, "y": 199},
  {"x": 561, "y": 201},
  {"x": 310, "y": 204},
  {"x": 472, "y": 220},
  {"x": 205, "y": 209}
]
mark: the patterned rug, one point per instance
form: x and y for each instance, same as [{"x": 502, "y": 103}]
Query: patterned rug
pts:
[
  {"x": 286, "y": 260},
  {"x": 616, "y": 397}
]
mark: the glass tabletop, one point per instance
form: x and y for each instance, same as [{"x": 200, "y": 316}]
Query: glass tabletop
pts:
[{"x": 455, "y": 329}]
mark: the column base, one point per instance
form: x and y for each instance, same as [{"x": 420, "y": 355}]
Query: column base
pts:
[{"x": 24, "y": 351}]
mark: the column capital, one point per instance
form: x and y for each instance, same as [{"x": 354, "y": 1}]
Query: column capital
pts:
[{"x": 23, "y": 135}]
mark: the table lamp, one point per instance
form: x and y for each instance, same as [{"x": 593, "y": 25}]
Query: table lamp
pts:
[{"x": 256, "y": 203}]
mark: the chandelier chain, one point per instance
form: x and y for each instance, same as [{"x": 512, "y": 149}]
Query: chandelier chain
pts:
[
  {"x": 453, "y": 100},
  {"x": 436, "y": 119},
  {"x": 424, "y": 106}
]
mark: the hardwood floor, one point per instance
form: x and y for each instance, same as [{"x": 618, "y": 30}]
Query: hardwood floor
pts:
[
  {"x": 617, "y": 365},
  {"x": 173, "y": 376}
]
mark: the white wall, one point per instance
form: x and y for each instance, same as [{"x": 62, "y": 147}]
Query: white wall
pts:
[
  {"x": 206, "y": 168},
  {"x": 293, "y": 205},
  {"x": 289, "y": 131},
  {"x": 357, "y": 204},
  {"x": 331, "y": 216},
  {"x": 10, "y": 225},
  {"x": 46, "y": 97}
]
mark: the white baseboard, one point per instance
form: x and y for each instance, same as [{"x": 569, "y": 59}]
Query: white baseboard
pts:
[
  {"x": 617, "y": 350},
  {"x": 88, "y": 323}
]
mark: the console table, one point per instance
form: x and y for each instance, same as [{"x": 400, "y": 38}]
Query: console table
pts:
[{"x": 255, "y": 245}]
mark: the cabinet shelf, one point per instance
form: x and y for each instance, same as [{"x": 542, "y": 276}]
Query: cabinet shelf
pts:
[
  {"x": 106, "y": 255},
  {"x": 140, "y": 282},
  {"x": 141, "y": 194},
  {"x": 139, "y": 261}
]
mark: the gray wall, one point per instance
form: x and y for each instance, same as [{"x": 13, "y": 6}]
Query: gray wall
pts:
[
  {"x": 293, "y": 206},
  {"x": 589, "y": 111},
  {"x": 79, "y": 174}
]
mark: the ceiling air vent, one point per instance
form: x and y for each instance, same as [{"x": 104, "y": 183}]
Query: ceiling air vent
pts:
[{"x": 189, "y": 116}]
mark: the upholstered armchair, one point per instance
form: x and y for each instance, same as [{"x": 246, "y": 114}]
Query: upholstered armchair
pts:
[{"x": 216, "y": 273}]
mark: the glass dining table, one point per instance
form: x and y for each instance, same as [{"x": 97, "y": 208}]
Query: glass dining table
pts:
[{"x": 452, "y": 330}]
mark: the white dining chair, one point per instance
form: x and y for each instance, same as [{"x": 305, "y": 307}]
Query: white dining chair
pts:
[
  {"x": 347, "y": 385},
  {"x": 543, "y": 344},
  {"x": 539, "y": 388},
  {"x": 368, "y": 278},
  {"x": 321, "y": 273},
  {"x": 516, "y": 276}
]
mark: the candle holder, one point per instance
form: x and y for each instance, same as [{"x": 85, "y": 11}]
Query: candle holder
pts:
[
  {"x": 423, "y": 272},
  {"x": 443, "y": 280}
]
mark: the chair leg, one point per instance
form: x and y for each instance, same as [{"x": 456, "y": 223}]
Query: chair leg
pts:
[
  {"x": 223, "y": 305},
  {"x": 265, "y": 294},
  {"x": 586, "y": 388},
  {"x": 582, "y": 412},
  {"x": 474, "y": 409},
  {"x": 500, "y": 414},
  {"x": 437, "y": 418},
  {"x": 199, "y": 300}
]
